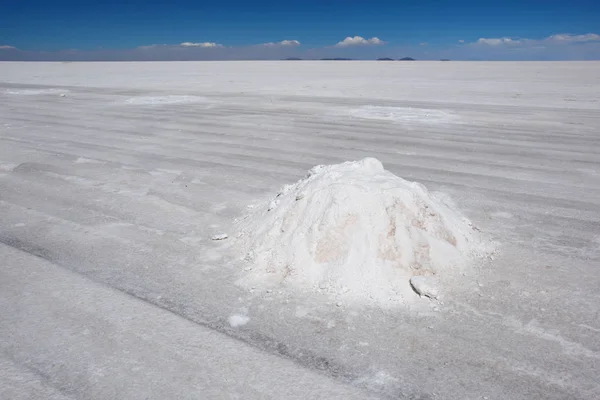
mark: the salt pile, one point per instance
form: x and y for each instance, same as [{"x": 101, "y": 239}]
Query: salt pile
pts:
[{"x": 355, "y": 231}]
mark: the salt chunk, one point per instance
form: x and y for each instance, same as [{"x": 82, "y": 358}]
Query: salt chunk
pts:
[
  {"x": 238, "y": 320},
  {"x": 273, "y": 204},
  {"x": 220, "y": 236},
  {"x": 425, "y": 286}
]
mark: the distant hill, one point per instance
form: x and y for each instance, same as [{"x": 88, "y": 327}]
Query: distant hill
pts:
[
  {"x": 385, "y": 59},
  {"x": 407, "y": 59},
  {"x": 292, "y": 59},
  {"x": 336, "y": 59},
  {"x": 444, "y": 59}
]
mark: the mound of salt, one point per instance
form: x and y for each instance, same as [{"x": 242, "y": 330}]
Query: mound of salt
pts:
[{"x": 357, "y": 231}]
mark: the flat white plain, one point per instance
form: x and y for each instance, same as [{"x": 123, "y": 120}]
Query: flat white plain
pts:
[{"x": 110, "y": 284}]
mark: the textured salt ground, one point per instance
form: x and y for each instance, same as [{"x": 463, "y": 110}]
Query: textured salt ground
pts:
[
  {"x": 161, "y": 100},
  {"x": 519, "y": 159}
]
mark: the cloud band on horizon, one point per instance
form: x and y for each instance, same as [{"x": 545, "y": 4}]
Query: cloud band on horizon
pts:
[{"x": 555, "y": 47}]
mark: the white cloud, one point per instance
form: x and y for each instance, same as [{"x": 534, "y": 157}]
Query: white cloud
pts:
[
  {"x": 359, "y": 41},
  {"x": 288, "y": 43},
  {"x": 498, "y": 41},
  {"x": 566, "y": 38},
  {"x": 203, "y": 44},
  {"x": 151, "y": 46},
  {"x": 423, "y": 44},
  {"x": 461, "y": 42},
  {"x": 6, "y": 47},
  {"x": 563, "y": 38}
]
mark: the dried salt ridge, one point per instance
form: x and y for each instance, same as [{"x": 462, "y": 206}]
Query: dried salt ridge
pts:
[{"x": 356, "y": 232}]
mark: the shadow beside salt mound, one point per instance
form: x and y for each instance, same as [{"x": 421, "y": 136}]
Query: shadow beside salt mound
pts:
[{"x": 358, "y": 233}]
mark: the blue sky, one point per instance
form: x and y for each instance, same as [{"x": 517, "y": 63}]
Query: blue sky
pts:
[{"x": 427, "y": 29}]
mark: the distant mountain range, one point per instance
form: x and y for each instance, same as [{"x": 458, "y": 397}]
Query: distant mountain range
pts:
[
  {"x": 322, "y": 59},
  {"x": 350, "y": 59},
  {"x": 391, "y": 59}
]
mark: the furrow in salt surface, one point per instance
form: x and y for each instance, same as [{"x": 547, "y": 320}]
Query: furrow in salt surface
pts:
[
  {"x": 468, "y": 159},
  {"x": 561, "y": 112},
  {"x": 95, "y": 228},
  {"x": 146, "y": 351},
  {"x": 537, "y": 141},
  {"x": 63, "y": 243},
  {"x": 189, "y": 171},
  {"x": 116, "y": 207},
  {"x": 413, "y": 172},
  {"x": 20, "y": 382},
  {"x": 245, "y": 153},
  {"x": 176, "y": 157},
  {"x": 197, "y": 117},
  {"x": 577, "y": 116},
  {"x": 182, "y": 200},
  {"x": 197, "y": 122},
  {"x": 560, "y": 227}
]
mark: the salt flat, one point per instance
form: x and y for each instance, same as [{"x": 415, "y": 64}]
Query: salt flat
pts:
[{"x": 115, "y": 176}]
